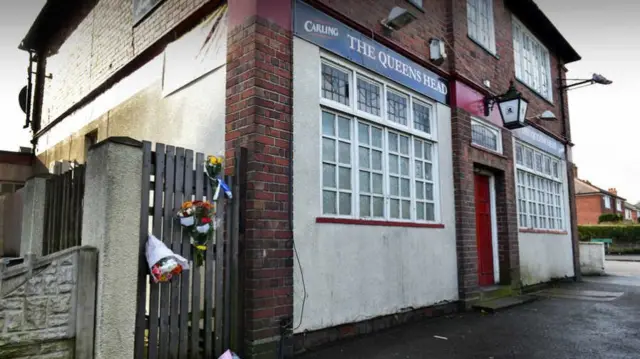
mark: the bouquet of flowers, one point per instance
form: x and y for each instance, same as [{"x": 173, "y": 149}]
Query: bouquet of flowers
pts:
[
  {"x": 163, "y": 263},
  {"x": 213, "y": 168},
  {"x": 197, "y": 216}
]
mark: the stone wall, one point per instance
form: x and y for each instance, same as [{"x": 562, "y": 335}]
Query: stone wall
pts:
[{"x": 38, "y": 305}]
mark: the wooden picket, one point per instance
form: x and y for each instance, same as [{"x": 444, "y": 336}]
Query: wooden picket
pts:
[
  {"x": 63, "y": 210},
  {"x": 170, "y": 322}
]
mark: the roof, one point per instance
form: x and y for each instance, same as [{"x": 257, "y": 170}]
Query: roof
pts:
[
  {"x": 630, "y": 206},
  {"x": 584, "y": 188},
  {"x": 539, "y": 24},
  {"x": 51, "y": 17}
]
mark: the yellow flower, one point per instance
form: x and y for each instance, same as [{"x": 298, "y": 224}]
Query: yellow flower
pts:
[
  {"x": 187, "y": 204},
  {"x": 201, "y": 247},
  {"x": 213, "y": 160}
]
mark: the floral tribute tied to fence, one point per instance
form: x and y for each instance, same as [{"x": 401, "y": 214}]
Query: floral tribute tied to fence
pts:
[{"x": 188, "y": 209}]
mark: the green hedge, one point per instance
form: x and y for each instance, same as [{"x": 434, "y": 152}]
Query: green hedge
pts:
[
  {"x": 610, "y": 218},
  {"x": 619, "y": 233}
]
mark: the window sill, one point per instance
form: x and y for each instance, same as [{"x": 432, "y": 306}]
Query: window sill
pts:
[
  {"x": 498, "y": 154},
  {"x": 542, "y": 231},
  {"x": 489, "y": 52},
  {"x": 550, "y": 102},
  {"x": 382, "y": 223}
]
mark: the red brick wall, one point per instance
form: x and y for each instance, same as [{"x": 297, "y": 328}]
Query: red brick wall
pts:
[
  {"x": 474, "y": 63},
  {"x": 258, "y": 116},
  {"x": 589, "y": 209},
  {"x": 99, "y": 40}
]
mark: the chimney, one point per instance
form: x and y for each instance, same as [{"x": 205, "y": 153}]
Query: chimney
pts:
[{"x": 613, "y": 190}]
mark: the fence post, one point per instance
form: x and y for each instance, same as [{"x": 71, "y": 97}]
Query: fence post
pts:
[
  {"x": 111, "y": 223},
  {"x": 33, "y": 202}
]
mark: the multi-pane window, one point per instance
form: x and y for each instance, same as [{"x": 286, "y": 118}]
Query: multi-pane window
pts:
[
  {"x": 607, "y": 201},
  {"x": 532, "y": 61},
  {"x": 539, "y": 189},
  {"x": 382, "y": 167},
  {"x": 336, "y": 164},
  {"x": 480, "y": 23},
  {"x": 368, "y": 96},
  {"x": 397, "y": 105},
  {"x": 619, "y": 205},
  {"x": 8, "y": 187},
  {"x": 335, "y": 84},
  {"x": 486, "y": 136}
]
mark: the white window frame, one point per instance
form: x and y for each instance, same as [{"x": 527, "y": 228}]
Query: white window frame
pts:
[
  {"x": 358, "y": 116},
  {"x": 607, "y": 201},
  {"x": 618, "y": 205},
  {"x": 490, "y": 44},
  {"x": 544, "y": 60},
  {"x": 560, "y": 200},
  {"x": 627, "y": 213},
  {"x": 494, "y": 129}
]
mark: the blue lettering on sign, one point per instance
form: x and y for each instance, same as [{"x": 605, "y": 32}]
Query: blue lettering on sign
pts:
[
  {"x": 327, "y": 32},
  {"x": 540, "y": 140}
]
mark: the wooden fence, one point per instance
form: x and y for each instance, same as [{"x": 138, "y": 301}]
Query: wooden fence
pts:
[
  {"x": 188, "y": 317},
  {"x": 63, "y": 210}
]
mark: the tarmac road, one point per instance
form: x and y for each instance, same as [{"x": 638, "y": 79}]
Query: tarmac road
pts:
[{"x": 549, "y": 328}]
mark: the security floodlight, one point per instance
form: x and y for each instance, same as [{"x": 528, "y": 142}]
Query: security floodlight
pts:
[
  {"x": 398, "y": 18},
  {"x": 595, "y": 79},
  {"x": 547, "y": 116}
]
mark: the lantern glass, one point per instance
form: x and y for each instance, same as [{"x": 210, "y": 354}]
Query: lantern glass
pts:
[{"x": 513, "y": 112}]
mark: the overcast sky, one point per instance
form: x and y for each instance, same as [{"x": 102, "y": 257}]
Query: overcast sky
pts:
[{"x": 605, "y": 126}]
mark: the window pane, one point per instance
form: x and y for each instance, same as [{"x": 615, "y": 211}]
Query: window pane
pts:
[
  {"x": 429, "y": 191},
  {"x": 394, "y": 186},
  {"x": 418, "y": 148},
  {"x": 421, "y": 117},
  {"x": 376, "y": 160},
  {"x": 345, "y": 178},
  {"x": 405, "y": 188},
  {"x": 427, "y": 151},
  {"x": 328, "y": 150},
  {"x": 376, "y": 181},
  {"x": 404, "y": 145},
  {"x": 368, "y": 97},
  {"x": 519, "y": 159},
  {"x": 378, "y": 207},
  {"x": 528, "y": 158},
  {"x": 556, "y": 171},
  {"x": 363, "y": 157},
  {"x": 428, "y": 175},
  {"x": 363, "y": 133},
  {"x": 419, "y": 190},
  {"x": 406, "y": 209},
  {"x": 376, "y": 137},
  {"x": 420, "y": 214},
  {"x": 345, "y": 203},
  {"x": 329, "y": 202},
  {"x": 483, "y": 136},
  {"x": 365, "y": 181},
  {"x": 344, "y": 128},
  {"x": 345, "y": 153},
  {"x": 329, "y": 175},
  {"x": 419, "y": 170},
  {"x": 335, "y": 84},
  {"x": 393, "y": 164},
  {"x": 404, "y": 166},
  {"x": 397, "y": 108},
  {"x": 430, "y": 212},
  {"x": 393, "y": 142},
  {"x": 365, "y": 206},
  {"x": 395, "y": 208},
  {"x": 328, "y": 124},
  {"x": 547, "y": 165}
]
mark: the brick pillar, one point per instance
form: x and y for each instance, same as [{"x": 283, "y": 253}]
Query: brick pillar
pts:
[
  {"x": 258, "y": 116},
  {"x": 507, "y": 212}
]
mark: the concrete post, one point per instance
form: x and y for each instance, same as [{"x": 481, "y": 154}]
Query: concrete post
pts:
[
  {"x": 111, "y": 223},
  {"x": 34, "y": 194}
]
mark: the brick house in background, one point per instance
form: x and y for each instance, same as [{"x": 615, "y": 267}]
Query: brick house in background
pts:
[
  {"x": 631, "y": 212},
  {"x": 405, "y": 194},
  {"x": 592, "y": 202}
]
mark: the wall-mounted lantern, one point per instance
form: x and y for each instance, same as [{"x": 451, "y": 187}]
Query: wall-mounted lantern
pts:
[{"x": 513, "y": 108}]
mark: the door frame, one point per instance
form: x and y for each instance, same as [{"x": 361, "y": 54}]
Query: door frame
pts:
[{"x": 494, "y": 223}]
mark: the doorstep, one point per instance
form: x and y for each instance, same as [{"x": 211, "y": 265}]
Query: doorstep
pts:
[{"x": 495, "y": 305}]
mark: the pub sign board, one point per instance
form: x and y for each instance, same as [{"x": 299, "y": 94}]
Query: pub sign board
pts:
[
  {"x": 141, "y": 8},
  {"x": 326, "y": 32}
]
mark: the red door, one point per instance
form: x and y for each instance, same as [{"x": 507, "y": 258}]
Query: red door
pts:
[{"x": 483, "y": 230}]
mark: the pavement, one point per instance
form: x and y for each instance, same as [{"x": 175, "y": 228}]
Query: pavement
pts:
[
  {"x": 623, "y": 258},
  {"x": 597, "y": 318}
]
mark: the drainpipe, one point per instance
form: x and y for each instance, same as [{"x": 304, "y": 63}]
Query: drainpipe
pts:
[{"x": 570, "y": 185}]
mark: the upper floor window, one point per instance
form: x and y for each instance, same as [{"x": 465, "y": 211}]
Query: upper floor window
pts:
[
  {"x": 607, "y": 202},
  {"x": 480, "y": 23},
  {"x": 486, "y": 136},
  {"x": 533, "y": 66},
  {"x": 618, "y": 205}
]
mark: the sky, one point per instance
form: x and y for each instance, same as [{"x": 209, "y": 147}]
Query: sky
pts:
[{"x": 604, "y": 127}]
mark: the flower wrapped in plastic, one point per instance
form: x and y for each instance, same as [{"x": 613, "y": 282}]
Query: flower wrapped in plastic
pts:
[
  {"x": 213, "y": 167},
  {"x": 163, "y": 263}
]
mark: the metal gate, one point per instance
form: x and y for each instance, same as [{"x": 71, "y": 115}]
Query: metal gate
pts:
[{"x": 188, "y": 317}]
